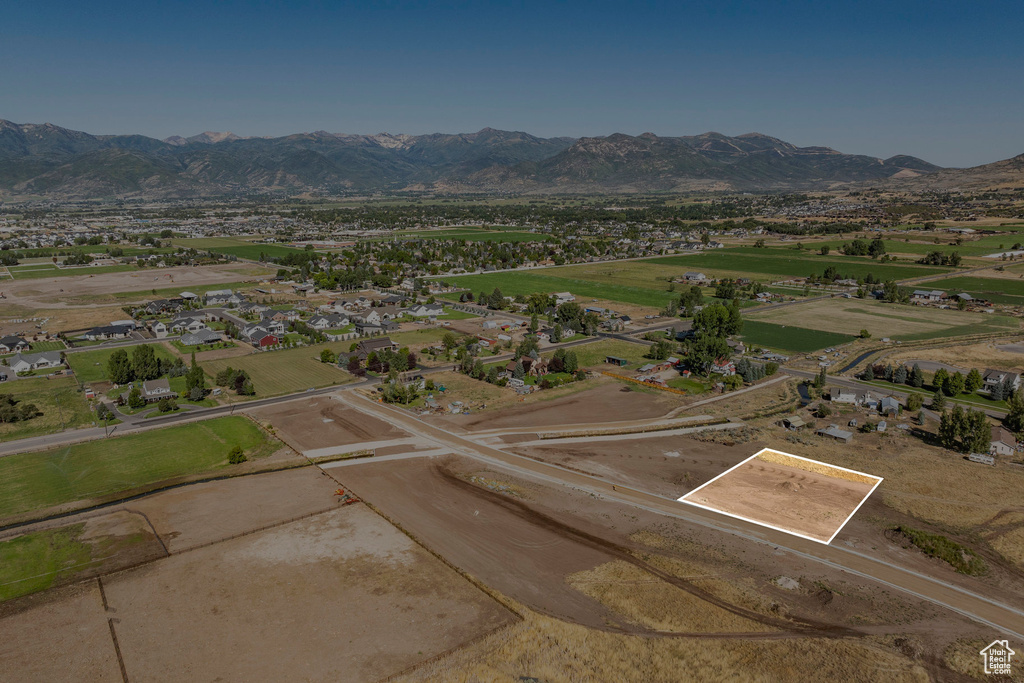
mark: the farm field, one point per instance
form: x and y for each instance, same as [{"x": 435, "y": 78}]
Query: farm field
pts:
[
  {"x": 593, "y": 355},
  {"x": 62, "y": 404},
  {"x": 91, "y": 366},
  {"x": 237, "y": 247},
  {"x": 584, "y": 284},
  {"x": 920, "y": 245},
  {"x": 33, "y": 481},
  {"x": 769, "y": 264},
  {"x": 999, "y": 290},
  {"x": 790, "y": 337},
  {"x": 850, "y": 316},
  {"x": 286, "y": 371}
]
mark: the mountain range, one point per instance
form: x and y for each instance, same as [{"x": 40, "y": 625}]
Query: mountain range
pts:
[{"x": 47, "y": 160}]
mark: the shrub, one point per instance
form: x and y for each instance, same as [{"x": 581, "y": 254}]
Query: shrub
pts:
[
  {"x": 823, "y": 410},
  {"x": 962, "y": 559},
  {"x": 236, "y": 455}
]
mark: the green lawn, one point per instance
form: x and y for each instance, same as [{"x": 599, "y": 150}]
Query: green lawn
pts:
[
  {"x": 91, "y": 366},
  {"x": 789, "y": 338},
  {"x": 92, "y": 470},
  {"x": 239, "y": 248},
  {"x": 39, "y": 347},
  {"x": 561, "y": 280},
  {"x": 688, "y": 384},
  {"x": 452, "y": 314},
  {"x": 592, "y": 355},
  {"x": 62, "y": 404}
]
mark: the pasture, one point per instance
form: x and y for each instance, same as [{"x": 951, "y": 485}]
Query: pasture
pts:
[
  {"x": 585, "y": 282},
  {"x": 790, "y": 337},
  {"x": 237, "y": 247},
  {"x": 94, "y": 469},
  {"x": 44, "y": 271},
  {"x": 91, "y": 366},
  {"x": 286, "y": 371},
  {"x": 58, "y": 398},
  {"x": 850, "y": 316}
]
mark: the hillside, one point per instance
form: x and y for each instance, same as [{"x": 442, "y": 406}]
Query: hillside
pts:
[
  {"x": 43, "y": 159},
  {"x": 1005, "y": 174}
]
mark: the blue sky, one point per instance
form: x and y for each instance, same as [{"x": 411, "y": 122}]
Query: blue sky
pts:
[{"x": 942, "y": 80}]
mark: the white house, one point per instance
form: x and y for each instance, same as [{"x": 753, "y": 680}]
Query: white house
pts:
[
  {"x": 563, "y": 297},
  {"x": 1003, "y": 442},
  {"x": 426, "y": 311},
  {"x": 24, "y": 362}
]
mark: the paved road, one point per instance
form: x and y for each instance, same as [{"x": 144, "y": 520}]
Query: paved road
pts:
[{"x": 1006, "y": 619}]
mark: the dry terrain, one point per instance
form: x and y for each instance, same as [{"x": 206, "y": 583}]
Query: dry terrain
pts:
[
  {"x": 1005, "y": 354},
  {"x": 787, "y": 494},
  {"x": 321, "y": 422}
]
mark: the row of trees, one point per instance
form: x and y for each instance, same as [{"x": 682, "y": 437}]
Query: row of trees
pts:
[
  {"x": 751, "y": 371},
  {"x": 966, "y": 431},
  {"x": 143, "y": 365},
  {"x": 13, "y": 410},
  {"x": 238, "y": 380}
]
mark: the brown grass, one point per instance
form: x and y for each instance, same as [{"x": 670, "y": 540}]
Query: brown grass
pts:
[
  {"x": 783, "y": 459},
  {"x": 553, "y": 651},
  {"x": 648, "y": 601}
]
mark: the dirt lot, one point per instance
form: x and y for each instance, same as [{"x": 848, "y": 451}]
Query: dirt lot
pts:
[
  {"x": 793, "y": 495},
  {"x": 322, "y": 422},
  {"x": 339, "y": 596},
  {"x": 53, "y": 293},
  {"x": 668, "y": 465},
  {"x": 459, "y": 509},
  {"x": 190, "y": 516},
  {"x": 1002, "y": 355},
  {"x": 604, "y": 400}
]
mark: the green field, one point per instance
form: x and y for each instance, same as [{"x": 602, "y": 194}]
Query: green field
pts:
[
  {"x": 593, "y": 355},
  {"x": 287, "y": 371},
  {"x": 997, "y": 290},
  {"x": 91, "y": 366},
  {"x": 31, "y": 563},
  {"x": 35, "y": 272},
  {"x": 789, "y": 338},
  {"x": 970, "y": 247},
  {"x": 62, "y": 404},
  {"x": 586, "y": 286},
  {"x": 770, "y": 263},
  {"x": 97, "y": 469},
  {"x": 240, "y": 248}
]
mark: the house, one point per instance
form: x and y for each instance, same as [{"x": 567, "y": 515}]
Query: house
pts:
[
  {"x": 834, "y": 432},
  {"x": 929, "y": 294},
  {"x": 108, "y": 332},
  {"x": 261, "y": 340},
  {"x": 1003, "y": 442},
  {"x": 851, "y": 396},
  {"x": 24, "y": 362},
  {"x": 370, "y": 317},
  {"x": 426, "y": 311},
  {"x": 328, "y": 322},
  {"x": 889, "y": 406},
  {"x": 12, "y": 344},
  {"x": 158, "y": 328},
  {"x": 723, "y": 367},
  {"x": 164, "y": 306},
  {"x": 153, "y": 390},
  {"x": 188, "y": 296},
  {"x": 615, "y": 360},
  {"x": 201, "y": 337},
  {"x": 563, "y": 298},
  {"x": 991, "y": 378},
  {"x": 368, "y": 346},
  {"x": 188, "y": 325},
  {"x": 694, "y": 276}
]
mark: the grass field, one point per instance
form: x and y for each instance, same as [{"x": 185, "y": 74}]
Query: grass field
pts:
[
  {"x": 906, "y": 323},
  {"x": 141, "y": 293},
  {"x": 285, "y": 372},
  {"x": 789, "y": 337},
  {"x": 91, "y": 366},
  {"x": 583, "y": 284},
  {"x": 39, "y": 347},
  {"x": 996, "y": 290},
  {"x": 236, "y": 247},
  {"x": 62, "y": 404},
  {"x": 920, "y": 246},
  {"x": 32, "y": 481},
  {"x": 593, "y": 355},
  {"x": 770, "y": 263},
  {"x": 31, "y": 272},
  {"x": 30, "y": 563}
]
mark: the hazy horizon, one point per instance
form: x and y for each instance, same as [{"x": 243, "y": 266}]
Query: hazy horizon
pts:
[{"x": 866, "y": 78}]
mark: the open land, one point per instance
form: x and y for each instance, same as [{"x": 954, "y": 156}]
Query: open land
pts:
[
  {"x": 62, "y": 404},
  {"x": 282, "y": 372},
  {"x": 790, "y": 494},
  {"x": 323, "y": 422}
]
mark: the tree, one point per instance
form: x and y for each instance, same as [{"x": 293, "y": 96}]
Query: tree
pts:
[
  {"x": 166, "y": 405},
  {"x": 864, "y": 334},
  {"x": 914, "y": 402},
  {"x": 938, "y": 401},
  {"x": 1014, "y": 419},
  {"x": 820, "y": 378},
  {"x": 899, "y": 375},
  {"x": 327, "y": 356},
  {"x": 354, "y": 365},
  {"x": 145, "y": 365},
  {"x": 571, "y": 362},
  {"x": 940, "y": 378},
  {"x": 823, "y": 410},
  {"x": 954, "y": 385},
  {"x": 916, "y": 377},
  {"x": 825, "y": 250},
  {"x": 973, "y": 381},
  {"x": 236, "y": 455},
  {"x": 534, "y": 323},
  {"x": 996, "y": 393},
  {"x": 869, "y": 373},
  {"x": 518, "y": 372},
  {"x": 135, "y": 400},
  {"x": 119, "y": 368}
]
